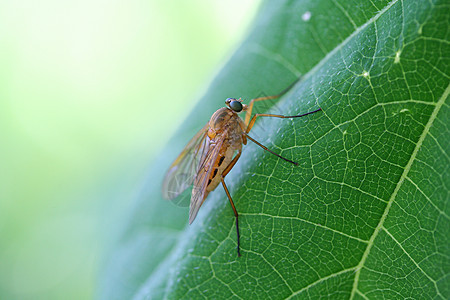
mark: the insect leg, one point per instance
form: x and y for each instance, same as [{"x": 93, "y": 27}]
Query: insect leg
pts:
[
  {"x": 267, "y": 149},
  {"x": 248, "y": 113},
  {"x": 235, "y": 214},
  {"x": 250, "y": 105},
  {"x": 224, "y": 173},
  {"x": 231, "y": 165},
  {"x": 253, "y": 120}
]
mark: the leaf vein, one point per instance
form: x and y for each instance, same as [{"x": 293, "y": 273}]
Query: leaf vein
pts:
[
  {"x": 321, "y": 280},
  {"x": 308, "y": 222},
  {"x": 409, "y": 256},
  {"x": 399, "y": 184},
  {"x": 428, "y": 198}
]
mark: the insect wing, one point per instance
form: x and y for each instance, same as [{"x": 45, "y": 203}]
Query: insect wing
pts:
[
  {"x": 202, "y": 177},
  {"x": 183, "y": 170}
]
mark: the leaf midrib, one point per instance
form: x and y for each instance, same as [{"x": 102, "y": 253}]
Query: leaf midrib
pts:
[{"x": 425, "y": 132}]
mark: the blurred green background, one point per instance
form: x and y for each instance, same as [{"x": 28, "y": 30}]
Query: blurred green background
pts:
[{"x": 90, "y": 92}]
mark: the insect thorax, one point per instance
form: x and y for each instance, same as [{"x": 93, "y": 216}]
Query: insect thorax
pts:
[{"x": 224, "y": 119}]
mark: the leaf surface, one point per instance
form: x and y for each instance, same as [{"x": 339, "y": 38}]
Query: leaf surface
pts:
[{"x": 364, "y": 215}]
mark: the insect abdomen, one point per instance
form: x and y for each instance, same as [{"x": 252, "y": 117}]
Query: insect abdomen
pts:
[{"x": 217, "y": 170}]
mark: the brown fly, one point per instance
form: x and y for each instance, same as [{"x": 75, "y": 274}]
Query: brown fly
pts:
[{"x": 212, "y": 153}]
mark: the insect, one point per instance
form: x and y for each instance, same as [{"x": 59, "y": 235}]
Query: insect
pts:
[{"x": 211, "y": 154}]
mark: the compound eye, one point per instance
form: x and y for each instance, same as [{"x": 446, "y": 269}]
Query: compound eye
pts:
[
  {"x": 236, "y": 105},
  {"x": 229, "y": 100}
]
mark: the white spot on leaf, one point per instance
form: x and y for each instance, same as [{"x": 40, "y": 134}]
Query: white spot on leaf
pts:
[
  {"x": 397, "y": 57},
  {"x": 306, "y": 16}
]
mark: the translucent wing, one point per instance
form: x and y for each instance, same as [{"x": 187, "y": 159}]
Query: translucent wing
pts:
[
  {"x": 183, "y": 170},
  {"x": 201, "y": 179}
]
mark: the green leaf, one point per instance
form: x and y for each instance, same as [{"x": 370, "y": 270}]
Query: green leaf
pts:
[{"x": 364, "y": 215}]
